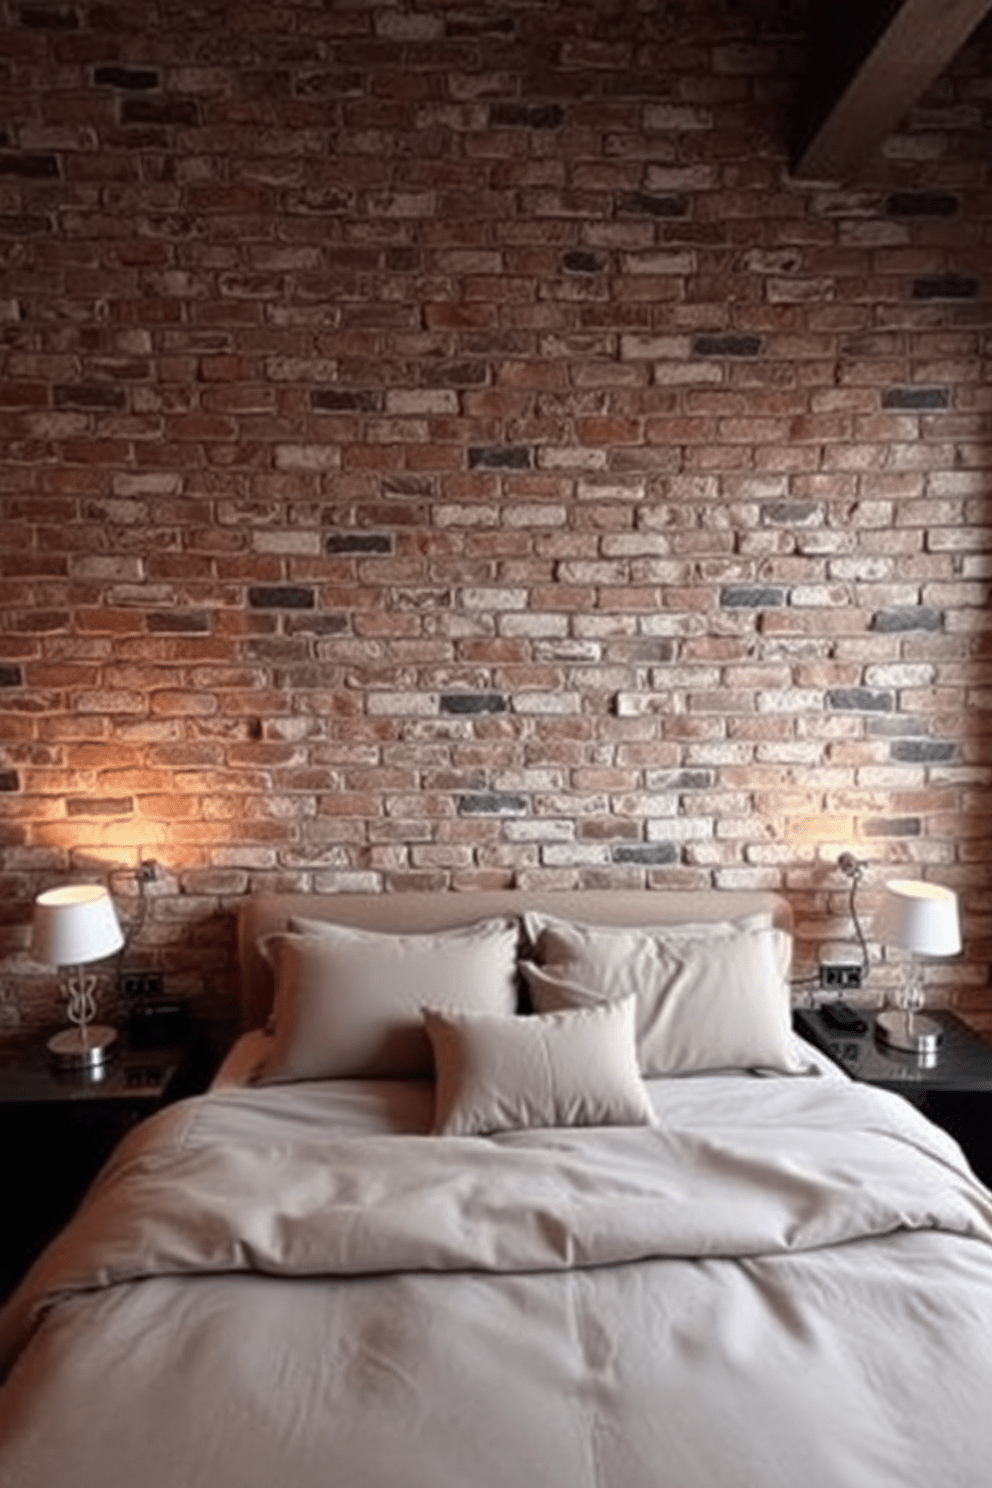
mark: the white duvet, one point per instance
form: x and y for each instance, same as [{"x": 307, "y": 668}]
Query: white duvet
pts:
[{"x": 786, "y": 1282}]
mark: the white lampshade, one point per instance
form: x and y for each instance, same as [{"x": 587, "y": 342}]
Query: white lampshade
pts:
[
  {"x": 920, "y": 917},
  {"x": 74, "y": 925}
]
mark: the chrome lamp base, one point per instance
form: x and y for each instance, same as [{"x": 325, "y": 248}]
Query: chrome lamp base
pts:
[
  {"x": 910, "y": 1032},
  {"x": 88, "y": 1048}
]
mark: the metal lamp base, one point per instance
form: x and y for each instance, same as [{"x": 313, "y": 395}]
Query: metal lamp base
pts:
[
  {"x": 912, "y": 1032},
  {"x": 83, "y": 1049}
]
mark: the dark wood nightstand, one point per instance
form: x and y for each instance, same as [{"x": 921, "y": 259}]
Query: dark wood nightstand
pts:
[
  {"x": 57, "y": 1128},
  {"x": 954, "y": 1090}
]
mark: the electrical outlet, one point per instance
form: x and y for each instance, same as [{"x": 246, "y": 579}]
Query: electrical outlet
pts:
[
  {"x": 841, "y": 976},
  {"x": 139, "y": 984}
]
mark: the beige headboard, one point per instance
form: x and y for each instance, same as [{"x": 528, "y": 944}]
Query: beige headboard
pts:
[{"x": 416, "y": 912}]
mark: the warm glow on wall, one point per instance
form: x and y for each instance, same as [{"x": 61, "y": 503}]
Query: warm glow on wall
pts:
[{"x": 822, "y": 831}]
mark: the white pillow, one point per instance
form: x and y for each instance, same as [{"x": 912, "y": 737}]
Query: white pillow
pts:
[
  {"x": 559, "y": 1069},
  {"x": 347, "y": 1002},
  {"x": 707, "y": 997}
]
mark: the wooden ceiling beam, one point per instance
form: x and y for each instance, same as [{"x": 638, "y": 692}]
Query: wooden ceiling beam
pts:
[{"x": 910, "y": 53}]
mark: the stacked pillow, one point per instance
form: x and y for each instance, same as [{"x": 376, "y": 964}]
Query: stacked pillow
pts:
[
  {"x": 348, "y": 1002},
  {"x": 708, "y": 996},
  {"x": 610, "y": 1006}
]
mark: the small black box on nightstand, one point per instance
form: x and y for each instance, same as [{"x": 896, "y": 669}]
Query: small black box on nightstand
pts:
[{"x": 157, "y": 1025}]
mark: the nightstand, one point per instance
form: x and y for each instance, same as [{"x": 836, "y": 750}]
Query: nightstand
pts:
[
  {"x": 57, "y": 1128},
  {"x": 954, "y": 1090}
]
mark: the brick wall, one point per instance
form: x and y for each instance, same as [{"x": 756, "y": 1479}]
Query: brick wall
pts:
[{"x": 443, "y": 448}]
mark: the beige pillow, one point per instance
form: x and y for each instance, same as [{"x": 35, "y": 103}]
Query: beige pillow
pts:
[
  {"x": 347, "y": 1002},
  {"x": 708, "y": 997},
  {"x": 559, "y": 1069}
]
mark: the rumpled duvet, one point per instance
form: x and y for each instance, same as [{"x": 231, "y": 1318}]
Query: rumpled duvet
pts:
[{"x": 785, "y": 1281}]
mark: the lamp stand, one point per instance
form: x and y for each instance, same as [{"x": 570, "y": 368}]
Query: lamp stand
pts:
[
  {"x": 86, "y": 1045},
  {"x": 904, "y": 1027}
]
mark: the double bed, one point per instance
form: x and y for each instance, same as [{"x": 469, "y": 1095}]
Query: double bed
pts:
[{"x": 508, "y": 1189}]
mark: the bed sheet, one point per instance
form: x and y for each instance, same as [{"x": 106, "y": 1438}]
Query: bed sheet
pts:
[{"x": 789, "y": 1279}]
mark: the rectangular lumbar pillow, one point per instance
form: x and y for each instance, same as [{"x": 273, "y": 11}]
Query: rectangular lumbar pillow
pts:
[
  {"x": 557, "y": 1069},
  {"x": 707, "y": 998},
  {"x": 347, "y": 1002}
]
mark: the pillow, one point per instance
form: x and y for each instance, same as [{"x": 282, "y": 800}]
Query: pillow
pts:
[
  {"x": 347, "y": 1002},
  {"x": 557, "y": 1069},
  {"x": 708, "y": 997}
]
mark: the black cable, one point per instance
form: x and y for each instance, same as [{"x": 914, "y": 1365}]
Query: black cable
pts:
[{"x": 855, "y": 871}]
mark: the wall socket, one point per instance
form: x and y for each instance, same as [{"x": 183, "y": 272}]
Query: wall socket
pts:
[
  {"x": 841, "y": 976},
  {"x": 140, "y": 984}
]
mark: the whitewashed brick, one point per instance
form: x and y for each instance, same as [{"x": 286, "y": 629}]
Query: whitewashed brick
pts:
[
  {"x": 550, "y": 703},
  {"x": 402, "y": 704}
]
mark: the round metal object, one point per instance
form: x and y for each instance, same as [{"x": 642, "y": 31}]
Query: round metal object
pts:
[
  {"x": 83, "y": 1049},
  {"x": 911, "y": 1033}
]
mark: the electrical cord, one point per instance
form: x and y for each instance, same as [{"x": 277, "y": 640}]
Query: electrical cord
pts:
[{"x": 855, "y": 871}]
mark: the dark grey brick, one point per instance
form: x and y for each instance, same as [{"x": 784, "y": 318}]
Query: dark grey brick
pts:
[
  {"x": 922, "y": 204},
  {"x": 337, "y": 543},
  {"x": 24, "y": 225},
  {"x": 187, "y": 621},
  {"x": 138, "y": 79},
  {"x": 179, "y": 111},
  {"x": 727, "y": 346},
  {"x": 651, "y": 854},
  {"x": 751, "y": 597},
  {"x": 453, "y": 374},
  {"x": 789, "y": 513},
  {"x": 911, "y": 398},
  {"x": 11, "y": 676},
  {"x": 32, "y": 167},
  {"x": 492, "y": 804},
  {"x": 48, "y": 18},
  {"x": 527, "y": 115},
  {"x": 580, "y": 261},
  {"x": 643, "y": 204},
  {"x": 99, "y": 806},
  {"x": 281, "y": 597},
  {"x": 682, "y": 780},
  {"x": 945, "y": 287},
  {"x": 860, "y": 700},
  {"x": 892, "y": 826},
  {"x": 345, "y": 400},
  {"x": 88, "y": 395},
  {"x": 922, "y": 752},
  {"x": 335, "y": 83},
  {"x": 402, "y": 260},
  {"x": 9, "y": 780},
  {"x": 499, "y": 457},
  {"x": 407, "y": 485},
  {"x": 910, "y": 617},
  {"x": 473, "y": 702}
]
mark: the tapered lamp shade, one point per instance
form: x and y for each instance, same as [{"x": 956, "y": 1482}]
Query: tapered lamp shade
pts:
[
  {"x": 920, "y": 917},
  {"x": 75, "y": 925}
]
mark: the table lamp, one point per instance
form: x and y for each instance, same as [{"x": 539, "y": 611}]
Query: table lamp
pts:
[
  {"x": 72, "y": 927},
  {"x": 921, "y": 918}
]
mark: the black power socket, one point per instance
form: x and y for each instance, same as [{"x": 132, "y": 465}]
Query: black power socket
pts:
[
  {"x": 141, "y": 985},
  {"x": 841, "y": 976}
]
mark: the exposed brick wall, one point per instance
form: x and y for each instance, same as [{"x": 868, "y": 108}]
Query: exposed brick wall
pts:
[{"x": 444, "y": 448}]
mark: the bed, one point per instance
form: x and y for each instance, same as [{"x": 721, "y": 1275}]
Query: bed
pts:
[{"x": 508, "y": 1189}]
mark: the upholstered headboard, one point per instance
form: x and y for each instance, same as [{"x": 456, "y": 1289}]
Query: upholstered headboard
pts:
[{"x": 416, "y": 912}]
